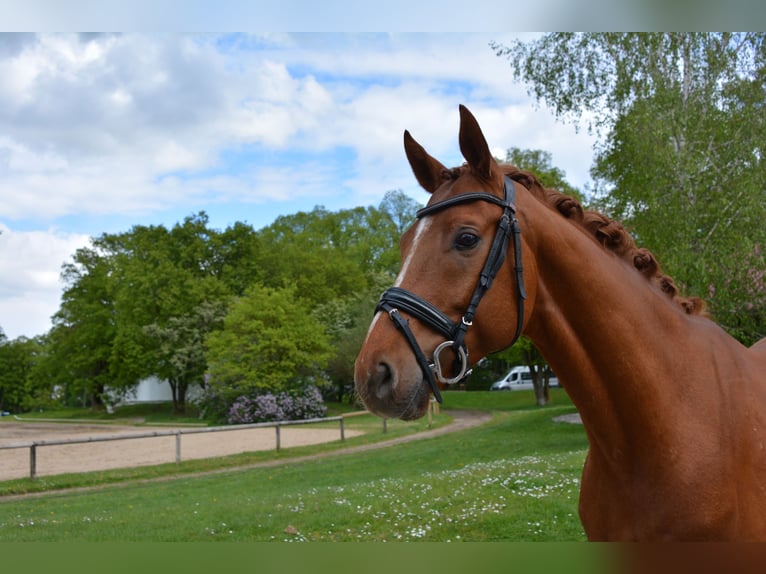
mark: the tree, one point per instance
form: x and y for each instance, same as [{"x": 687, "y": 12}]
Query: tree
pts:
[
  {"x": 346, "y": 322},
  {"x": 181, "y": 351},
  {"x": 524, "y": 352},
  {"x": 269, "y": 342},
  {"x": 371, "y": 239},
  {"x": 45, "y": 388},
  {"x": 400, "y": 208},
  {"x": 599, "y": 76},
  {"x": 306, "y": 250},
  {"x": 17, "y": 361},
  {"x": 163, "y": 279},
  {"x": 330, "y": 255},
  {"x": 680, "y": 157},
  {"x": 138, "y": 303},
  {"x": 83, "y": 332},
  {"x": 540, "y": 163},
  {"x": 9, "y": 383},
  {"x": 237, "y": 257},
  {"x": 339, "y": 263}
]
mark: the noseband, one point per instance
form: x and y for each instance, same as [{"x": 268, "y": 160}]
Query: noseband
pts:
[{"x": 395, "y": 299}]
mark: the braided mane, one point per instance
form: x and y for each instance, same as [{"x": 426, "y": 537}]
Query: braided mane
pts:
[{"x": 611, "y": 235}]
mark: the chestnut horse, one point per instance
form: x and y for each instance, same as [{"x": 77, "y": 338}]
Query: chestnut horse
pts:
[{"x": 673, "y": 407}]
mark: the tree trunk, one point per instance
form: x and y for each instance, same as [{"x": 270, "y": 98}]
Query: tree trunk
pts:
[
  {"x": 179, "y": 404},
  {"x": 542, "y": 395},
  {"x": 178, "y": 389}
]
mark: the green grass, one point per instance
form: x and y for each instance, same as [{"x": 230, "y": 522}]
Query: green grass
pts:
[
  {"x": 147, "y": 413},
  {"x": 144, "y": 413},
  {"x": 515, "y": 478},
  {"x": 503, "y": 400}
]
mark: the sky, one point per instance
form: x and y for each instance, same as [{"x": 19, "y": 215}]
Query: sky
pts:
[{"x": 102, "y": 132}]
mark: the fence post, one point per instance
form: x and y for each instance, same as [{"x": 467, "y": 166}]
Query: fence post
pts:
[
  {"x": 33, "y": 461},
  {"x": 278, "y": 437},
  {"x": 178, "y": 446},
  {"x": 385, "y": 426},
  {"x": 342, "y": 429},
  {"x": 431, "y": 413}
]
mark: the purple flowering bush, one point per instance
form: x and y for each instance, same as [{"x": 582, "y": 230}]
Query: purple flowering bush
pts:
[{"x": 283, "y": 406}]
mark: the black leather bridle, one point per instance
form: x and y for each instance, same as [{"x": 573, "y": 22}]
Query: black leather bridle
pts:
[{"x": 395, "y": 299}]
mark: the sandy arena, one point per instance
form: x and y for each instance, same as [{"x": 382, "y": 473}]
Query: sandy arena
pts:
[{"x": 60, "y": 459}]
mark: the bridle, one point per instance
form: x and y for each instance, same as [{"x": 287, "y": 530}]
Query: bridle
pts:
[{"x": 395, "y": 299}]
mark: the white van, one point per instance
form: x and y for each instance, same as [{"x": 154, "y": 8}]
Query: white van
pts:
[{"x": 519, "y": 379}]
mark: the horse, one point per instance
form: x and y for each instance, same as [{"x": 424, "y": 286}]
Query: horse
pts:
[{"x": 672, "y": 405}]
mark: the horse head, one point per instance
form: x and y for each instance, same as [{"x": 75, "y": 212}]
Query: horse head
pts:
[{"x": 443, "y": 314}]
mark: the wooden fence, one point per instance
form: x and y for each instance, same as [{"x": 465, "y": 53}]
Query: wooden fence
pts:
[{"x": 177, "y": 433}]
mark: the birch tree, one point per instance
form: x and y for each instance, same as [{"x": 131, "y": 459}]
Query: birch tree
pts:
[{"x": 679, "y": 160}]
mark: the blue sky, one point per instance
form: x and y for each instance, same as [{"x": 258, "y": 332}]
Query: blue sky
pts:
[
  {"x": 131, "y": 127},
  {"x": 103, "y": 132}
]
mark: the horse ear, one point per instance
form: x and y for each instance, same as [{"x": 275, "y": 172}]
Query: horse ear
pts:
[
  {"x": 474, "y": 146},
  {"x": 428, "y": 171}
]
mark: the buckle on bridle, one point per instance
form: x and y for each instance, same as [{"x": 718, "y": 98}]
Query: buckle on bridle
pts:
[{"x": 436, "y": 366}]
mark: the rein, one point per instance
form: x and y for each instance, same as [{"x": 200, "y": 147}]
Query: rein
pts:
[{"x": 395, "y": 299}]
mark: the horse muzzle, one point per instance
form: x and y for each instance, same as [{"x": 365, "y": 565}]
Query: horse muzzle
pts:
[{"x": 391, "y": 389}]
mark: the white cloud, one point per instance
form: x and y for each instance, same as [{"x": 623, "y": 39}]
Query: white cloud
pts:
[
  {"x": 131, "y": 110},
  {"x": 30, "y": 291}
]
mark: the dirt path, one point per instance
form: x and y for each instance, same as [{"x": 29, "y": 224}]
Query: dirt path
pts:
[
  {"x": 157, "y": 450},
  {"x": 110, "y": 454}
]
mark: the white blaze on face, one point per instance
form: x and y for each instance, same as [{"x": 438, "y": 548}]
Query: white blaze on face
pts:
[{"x": 422, "y": 227}]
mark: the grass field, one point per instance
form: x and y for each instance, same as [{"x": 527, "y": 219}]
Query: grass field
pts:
[{"x": 513, "y": 479}]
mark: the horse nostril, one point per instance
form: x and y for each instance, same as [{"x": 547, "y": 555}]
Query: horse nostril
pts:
[{"x": 382, "y": 381}]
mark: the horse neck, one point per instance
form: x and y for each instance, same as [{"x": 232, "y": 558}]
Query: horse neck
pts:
[{"x": 612, "y": 338}]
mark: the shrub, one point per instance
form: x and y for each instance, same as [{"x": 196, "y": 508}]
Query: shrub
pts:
[{"x": 282, "y": 406}]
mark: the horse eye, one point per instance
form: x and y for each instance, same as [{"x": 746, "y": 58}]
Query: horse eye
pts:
[{"x": 466, "y": 240}]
